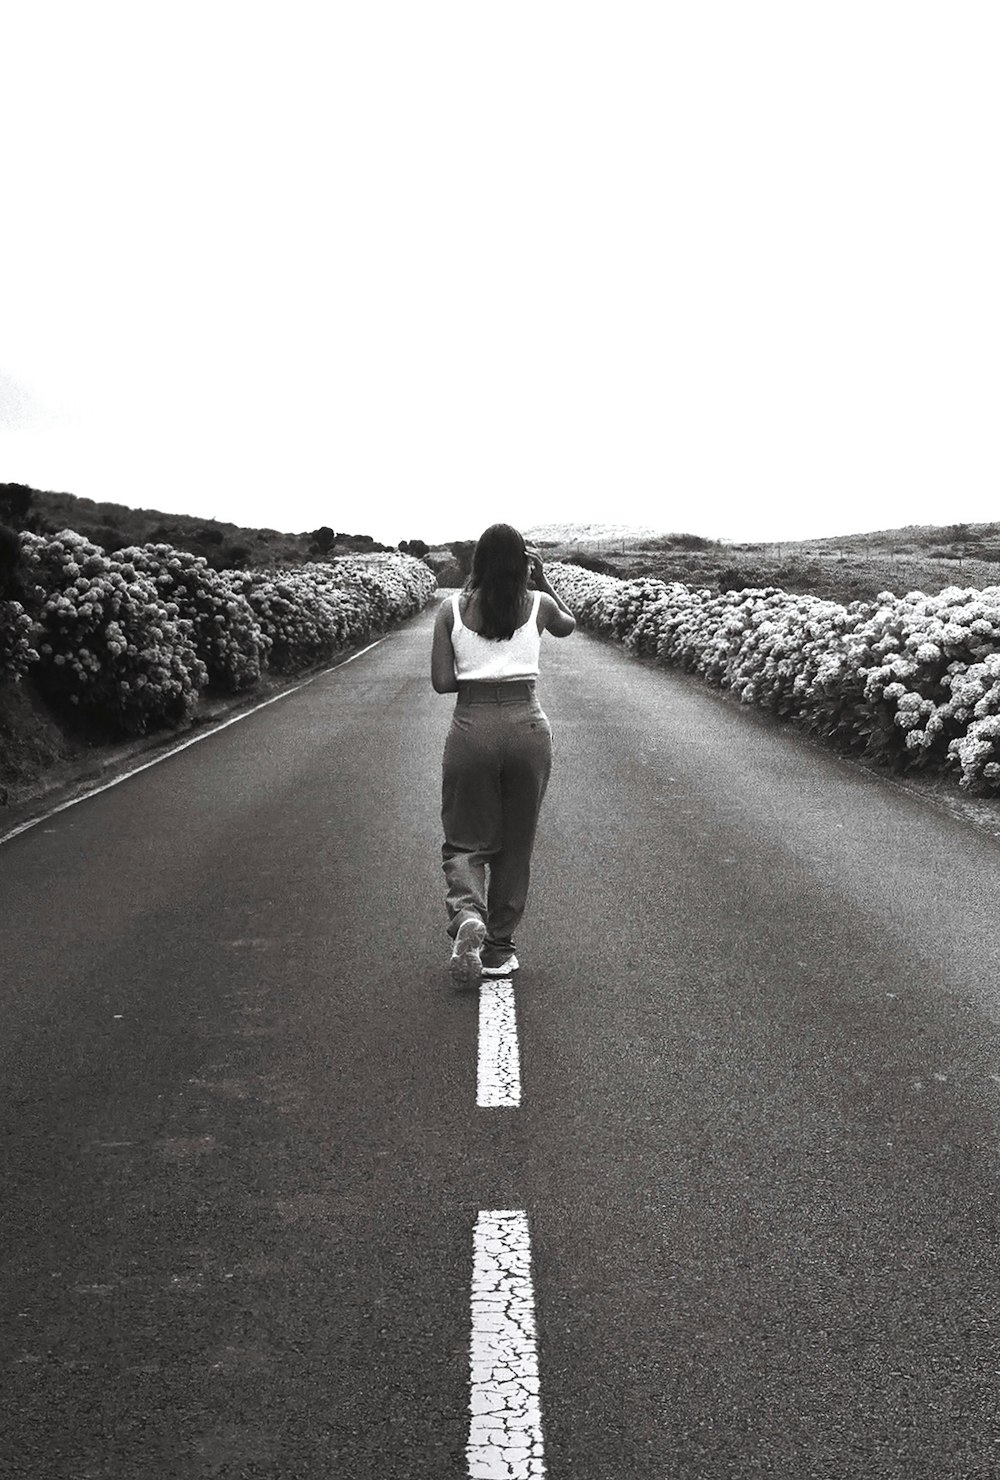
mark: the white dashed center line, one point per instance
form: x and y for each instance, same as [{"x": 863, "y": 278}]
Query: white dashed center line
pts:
[
  {"x": 499, "y": 1078},
  {"x": 505, "y": 1428}
]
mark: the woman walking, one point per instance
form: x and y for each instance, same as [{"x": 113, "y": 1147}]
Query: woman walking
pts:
[{"x": 498, "y": 753}]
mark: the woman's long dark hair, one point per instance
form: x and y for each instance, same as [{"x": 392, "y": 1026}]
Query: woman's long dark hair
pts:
[{"x": 500, "y": 575}]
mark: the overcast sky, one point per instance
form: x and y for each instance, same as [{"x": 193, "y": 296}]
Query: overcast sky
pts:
[{"x": 411, "y": 268}]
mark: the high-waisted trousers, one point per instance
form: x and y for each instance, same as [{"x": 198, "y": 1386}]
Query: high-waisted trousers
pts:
[{"x": 497, "y": 760}]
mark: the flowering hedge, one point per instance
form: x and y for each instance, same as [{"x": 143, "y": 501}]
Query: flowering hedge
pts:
[
  {"x": 313, "y": 611},
  {"x": 16, "y": 652},
  {"x": 107, "y": 642},
  {"x": 227, "y": 636},
  {"x": 133, "y": 637},
  {"x": 913, "y": 680}
]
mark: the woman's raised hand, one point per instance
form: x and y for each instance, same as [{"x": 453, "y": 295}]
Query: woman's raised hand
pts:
[{"x": 536, "y": 575}]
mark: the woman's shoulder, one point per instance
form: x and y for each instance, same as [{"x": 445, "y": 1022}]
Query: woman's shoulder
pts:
[{"x": 468, "y": 606}]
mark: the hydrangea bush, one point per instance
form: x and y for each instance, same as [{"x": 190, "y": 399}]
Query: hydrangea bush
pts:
[
  {"x": 227, "y": 636},
  {"x": 132, "y": 638},
  {"x": 107, "y": 642},
  {"x": 312, "y": 612},
  {"x": 913, "y": 680},
  {"x": 16, "y": 652}
]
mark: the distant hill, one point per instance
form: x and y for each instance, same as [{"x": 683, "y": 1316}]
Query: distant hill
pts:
[
  {"x": 844, "y": 568},
  {"x": 913, "y": 534},
  {"x": 593, "y": 535},
  {"x": 224, "y": 545}
]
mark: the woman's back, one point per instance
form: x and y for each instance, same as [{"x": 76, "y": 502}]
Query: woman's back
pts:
[
  {"x": 495, "y": 659},
  {"x": 471, "y": 609}
]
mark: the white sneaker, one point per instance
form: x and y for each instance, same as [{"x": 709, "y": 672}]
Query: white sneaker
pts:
[
  {"x": 466, "y": 962},
  {"x": 506, "y": 967}
]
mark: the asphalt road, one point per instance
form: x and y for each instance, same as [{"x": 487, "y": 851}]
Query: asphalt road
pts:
[{"x": 759, "y": 1022}]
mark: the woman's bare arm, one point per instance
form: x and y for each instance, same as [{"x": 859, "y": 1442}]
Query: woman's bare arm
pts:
[
  {"x": 556, "y": 615},
  {"x": 442, "y": 653},
  {"x": 559, "y": 620}
]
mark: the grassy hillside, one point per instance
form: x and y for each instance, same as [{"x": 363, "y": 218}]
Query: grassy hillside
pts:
[
  {"x": 845, "y": 568},
  {"x": 225, "y": 546}
]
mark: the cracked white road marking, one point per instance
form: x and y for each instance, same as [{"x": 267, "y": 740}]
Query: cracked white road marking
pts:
[
  {"x": 505, "y": 1429},
  {"x": 499, "y": 1078}
]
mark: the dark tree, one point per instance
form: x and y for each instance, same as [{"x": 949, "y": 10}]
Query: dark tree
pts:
[
  {"x": 419, "y": 548},
  {"x": 39, "y": 523},
  {"x": 10, "y": 557},
  {"x": 15, "y": 501},
  {"x": 591, "y": 562},
  {"x": 462, "y": 551},
  {"x": 108, "y": 536},
  {"x": 229, "y": 557},
  {"x": 322, "y": 541}
]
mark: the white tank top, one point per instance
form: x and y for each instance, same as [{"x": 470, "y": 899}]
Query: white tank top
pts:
[{"x": 496, "y": 658}]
